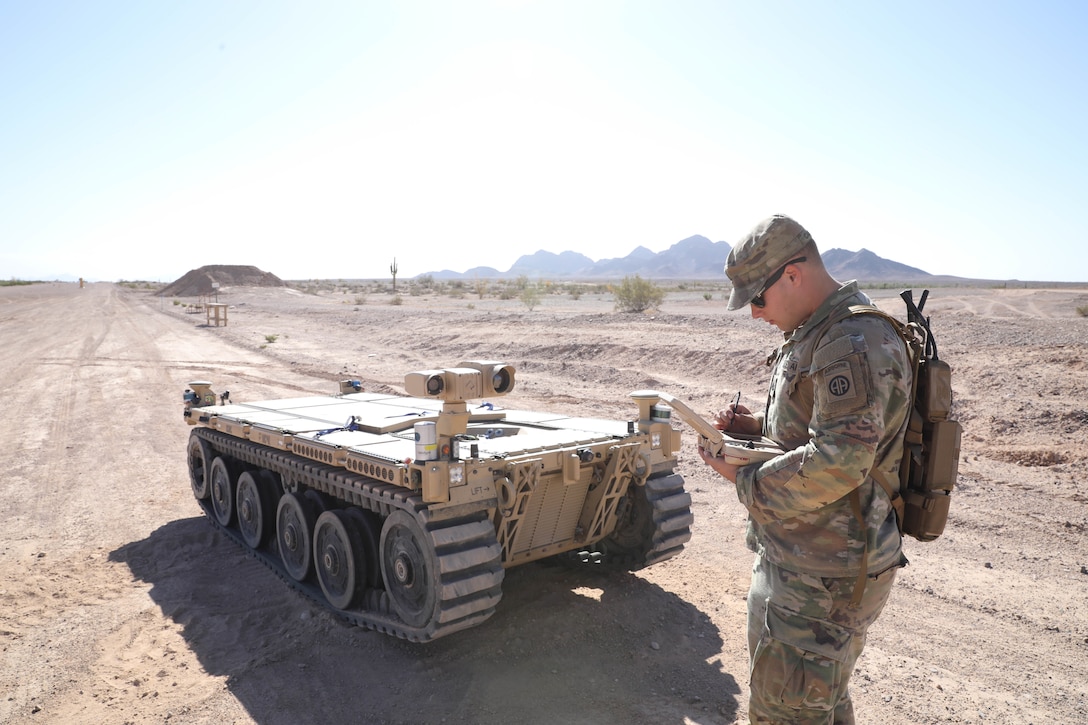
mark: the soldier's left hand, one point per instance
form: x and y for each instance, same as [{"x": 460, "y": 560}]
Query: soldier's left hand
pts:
[{"x": 726, "y": 470}]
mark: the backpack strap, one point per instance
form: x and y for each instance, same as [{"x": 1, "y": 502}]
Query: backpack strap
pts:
[
  {"x": 893, "y": 494},
  {"x": 863, "y": 573},
  {"x": 915, "y": 348},
  {"x": 875, "y": 473}
]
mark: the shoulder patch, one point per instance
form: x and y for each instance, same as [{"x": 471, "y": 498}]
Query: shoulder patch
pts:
[
  {"x": 842, "y": 387},
  {"x": 840, "y": 381}
]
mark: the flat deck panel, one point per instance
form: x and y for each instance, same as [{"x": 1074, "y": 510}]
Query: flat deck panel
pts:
[
  {"x": 555, "y": 420},
  {"x": 374, "y": 414},
  {"x": 383, "y": 445},
  {"x": 536, "y": 439}
]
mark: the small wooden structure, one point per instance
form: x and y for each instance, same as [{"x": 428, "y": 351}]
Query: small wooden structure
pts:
[{"x": 216, "y": 311}]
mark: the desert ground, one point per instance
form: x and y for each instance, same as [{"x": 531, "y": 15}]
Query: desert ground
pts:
[{"x": 122, "y": 604}]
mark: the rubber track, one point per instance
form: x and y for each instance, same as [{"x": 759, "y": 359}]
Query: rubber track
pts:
[
  {"x": 672, "y": 519},
  {"x": 466, "y": 548}
]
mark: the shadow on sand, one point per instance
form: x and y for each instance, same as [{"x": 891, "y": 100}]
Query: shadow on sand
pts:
[{"x": 566, "y": 645}]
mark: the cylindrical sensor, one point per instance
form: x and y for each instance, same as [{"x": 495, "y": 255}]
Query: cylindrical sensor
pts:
[
  {"x": 661, "y": 414},
  {"x": 426, "y": 441}
]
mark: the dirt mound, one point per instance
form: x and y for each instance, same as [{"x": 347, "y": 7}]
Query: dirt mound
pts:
[{"x": 199, "y": 281}]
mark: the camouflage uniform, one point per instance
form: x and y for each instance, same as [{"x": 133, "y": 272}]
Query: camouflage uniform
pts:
[
  {"x": 806, "y": 642},
  {"x": 838, "y": 402}
]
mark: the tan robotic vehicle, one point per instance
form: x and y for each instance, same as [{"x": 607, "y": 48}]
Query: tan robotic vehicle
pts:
[{"x": 403, "y": 513}]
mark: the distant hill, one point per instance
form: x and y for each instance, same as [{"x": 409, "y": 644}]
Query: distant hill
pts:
[
  {"x": 197, "y": 282},
  {"x": 865, "y": 265},
  {"x": 693, "y": 258},
  {"x": 560, "y": 265}
]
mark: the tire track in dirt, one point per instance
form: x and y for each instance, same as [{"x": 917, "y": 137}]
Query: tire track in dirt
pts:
[{"x": 97, "y": 462}]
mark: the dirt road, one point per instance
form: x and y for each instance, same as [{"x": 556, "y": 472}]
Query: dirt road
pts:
[{"x": 122, "y": 605}]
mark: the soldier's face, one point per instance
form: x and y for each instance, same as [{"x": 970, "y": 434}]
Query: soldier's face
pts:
[
  {"x": 767, "y": 311},
  {"x": 778, "y": 305}
]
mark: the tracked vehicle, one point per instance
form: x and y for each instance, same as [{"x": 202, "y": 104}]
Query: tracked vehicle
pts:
[{"x": 402, "y": 513}]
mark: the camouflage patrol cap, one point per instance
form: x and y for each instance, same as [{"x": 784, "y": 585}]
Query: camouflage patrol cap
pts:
[{"x": 772, "y": 243}]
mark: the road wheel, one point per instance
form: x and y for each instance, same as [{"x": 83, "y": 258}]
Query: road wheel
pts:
[
  {"x": 200, "y": 459},
  {"x": 409, "y": 569},
  {"x": 256, "y": 508},
  {"x": 221, "y": 485},
  {"x": 295, "y": 519},
  {"x": 338, "y": 558}
]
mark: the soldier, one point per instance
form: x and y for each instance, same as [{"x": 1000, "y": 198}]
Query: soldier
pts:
[{"x": 824, "y": 533}]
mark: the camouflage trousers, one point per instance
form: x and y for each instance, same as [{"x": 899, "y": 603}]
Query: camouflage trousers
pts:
[{"x": 803, "y": 641}]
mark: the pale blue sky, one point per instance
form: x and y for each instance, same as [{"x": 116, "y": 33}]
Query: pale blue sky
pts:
[{"x": 139, "y": 140}]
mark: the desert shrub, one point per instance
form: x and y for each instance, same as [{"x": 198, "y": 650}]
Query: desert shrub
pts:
[
  {"x": 397, "y": 300},
  {"x": 530, "y": 296},
  {"x": 708, "y": 296},
  {"x": 1083, "y": 310},
  {"x": 136, "y": 284},
  {"x": 636, "y": 294},
  {"x": 271, "y": 338}
]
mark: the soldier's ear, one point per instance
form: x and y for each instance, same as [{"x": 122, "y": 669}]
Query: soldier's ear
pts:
[{"x": 793, "y": 273}]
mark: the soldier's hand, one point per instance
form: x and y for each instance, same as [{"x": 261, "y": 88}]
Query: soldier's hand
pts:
[
  {"x": 726, "y": 470},
  {"x": 739, "y": 420}
]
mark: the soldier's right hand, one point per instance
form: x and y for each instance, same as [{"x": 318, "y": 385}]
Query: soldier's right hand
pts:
[{"x": 738, "y": 419}]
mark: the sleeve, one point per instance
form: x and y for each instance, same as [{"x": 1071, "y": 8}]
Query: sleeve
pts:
[{"x": 856, "y": 376}]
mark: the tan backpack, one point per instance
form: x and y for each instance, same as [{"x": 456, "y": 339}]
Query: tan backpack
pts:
[{"x": 931, "y": 448}]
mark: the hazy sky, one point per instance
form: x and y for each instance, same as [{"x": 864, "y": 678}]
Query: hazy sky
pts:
[{"x": 139, "y": 140}]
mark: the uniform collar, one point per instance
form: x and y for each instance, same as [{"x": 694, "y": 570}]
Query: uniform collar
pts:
[{"x": 841, "y": 296}]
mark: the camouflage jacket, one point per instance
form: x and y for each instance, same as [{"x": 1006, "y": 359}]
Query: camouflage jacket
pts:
[{"x": 838, "y": 402}]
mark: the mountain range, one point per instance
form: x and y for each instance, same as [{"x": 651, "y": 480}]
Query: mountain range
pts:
[{"x": 693, "y": 258}]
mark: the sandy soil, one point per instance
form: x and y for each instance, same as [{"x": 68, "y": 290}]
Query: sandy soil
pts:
[{"x": 121, "y": 604}]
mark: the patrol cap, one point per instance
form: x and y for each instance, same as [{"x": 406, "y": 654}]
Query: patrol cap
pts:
[{"x": 772, "y": 243}]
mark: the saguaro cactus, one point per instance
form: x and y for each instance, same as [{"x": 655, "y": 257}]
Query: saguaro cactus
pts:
[{"x": 393, "y": 269}]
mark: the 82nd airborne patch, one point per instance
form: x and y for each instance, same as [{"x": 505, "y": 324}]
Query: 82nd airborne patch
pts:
[{"x": 841, "y": 391}]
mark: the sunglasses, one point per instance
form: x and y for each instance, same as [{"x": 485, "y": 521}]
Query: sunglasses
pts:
[{"x": 758, "y": 300}]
